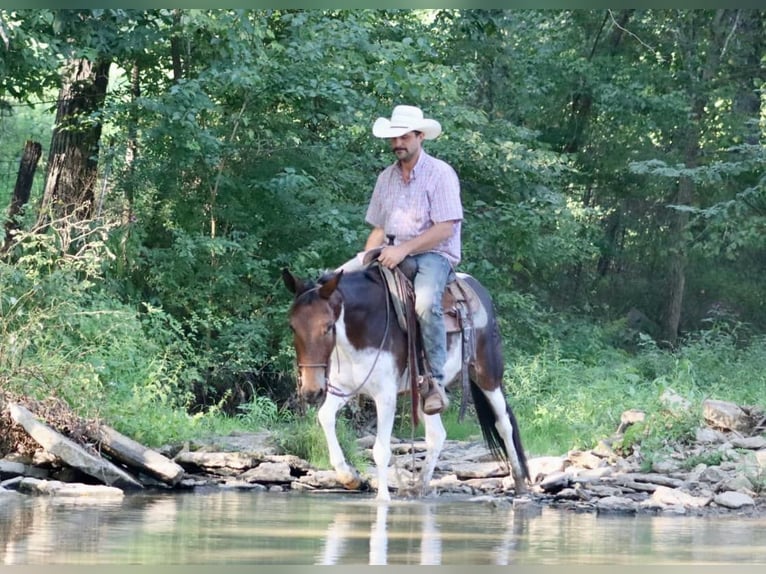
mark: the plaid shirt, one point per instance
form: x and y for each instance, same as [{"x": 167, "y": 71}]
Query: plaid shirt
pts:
[{"x": 405, "y": 210}]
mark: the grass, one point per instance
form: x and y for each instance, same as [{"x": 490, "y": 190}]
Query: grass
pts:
[{"x": 562, "y": 403}]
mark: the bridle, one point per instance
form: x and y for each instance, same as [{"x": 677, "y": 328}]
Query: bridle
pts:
[{"x": 332, "y": 389}]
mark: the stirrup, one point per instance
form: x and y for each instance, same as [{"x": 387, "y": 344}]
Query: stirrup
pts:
[{"x": 433, "y": 398}]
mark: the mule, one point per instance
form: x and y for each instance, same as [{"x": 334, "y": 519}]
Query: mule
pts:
[{"x": 347, "y": 341}]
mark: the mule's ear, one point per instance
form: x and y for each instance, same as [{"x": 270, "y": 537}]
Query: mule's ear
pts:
[
  {"x": 293, "y": 284},
  {"x": 329, "y": 286}
]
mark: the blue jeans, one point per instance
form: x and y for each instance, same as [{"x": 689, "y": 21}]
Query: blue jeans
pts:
[{"x": 431, "y": 274}]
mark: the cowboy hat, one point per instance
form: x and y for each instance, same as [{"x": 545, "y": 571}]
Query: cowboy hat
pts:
[{"x": 406, "y": 119}]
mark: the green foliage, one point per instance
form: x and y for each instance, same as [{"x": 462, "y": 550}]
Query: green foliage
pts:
[
  {"x": 250, "y": 150},
  {"x": 303, "y": 437},
  {"x": 467, "y": 429},
  {"x": 261, "y": 412},
  {"x": 67, "y": 337}
]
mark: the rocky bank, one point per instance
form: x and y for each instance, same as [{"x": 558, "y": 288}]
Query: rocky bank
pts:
[{"x": 722, "y": 471}]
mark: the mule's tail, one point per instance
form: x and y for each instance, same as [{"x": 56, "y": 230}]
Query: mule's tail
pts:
[{"x": 492, "y": 437}]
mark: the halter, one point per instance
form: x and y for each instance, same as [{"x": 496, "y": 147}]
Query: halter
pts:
[{"x": 333, "y": 390}]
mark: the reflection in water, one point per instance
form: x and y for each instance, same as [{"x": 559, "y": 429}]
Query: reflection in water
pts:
[
  {"x": 342, "y": 528},
  {"x": 245, "y": 527}
]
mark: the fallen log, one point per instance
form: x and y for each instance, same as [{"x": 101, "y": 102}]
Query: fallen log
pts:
[
  {"x": 136, "y": 455},
  {"x": 70, "y": 452}
]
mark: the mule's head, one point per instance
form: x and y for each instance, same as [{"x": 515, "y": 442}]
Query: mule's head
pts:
[{"x": 312, "y": 317}]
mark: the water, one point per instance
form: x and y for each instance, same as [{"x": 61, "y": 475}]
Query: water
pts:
[{"x": 248, "y": 528}]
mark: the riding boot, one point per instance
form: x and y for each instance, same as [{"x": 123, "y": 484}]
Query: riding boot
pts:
[{"x": 433, "y": 398}]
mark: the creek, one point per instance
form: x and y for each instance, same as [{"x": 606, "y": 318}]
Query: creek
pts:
[{"x": 248, "y": 527}]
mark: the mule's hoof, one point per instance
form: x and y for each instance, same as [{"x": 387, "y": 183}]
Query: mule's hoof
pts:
[
  {"x": 436, "y": 402},
  {"x": 351, "y": 481}
]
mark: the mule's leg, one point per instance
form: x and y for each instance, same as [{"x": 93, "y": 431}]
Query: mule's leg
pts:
[
  {"x": 504, "y": 427},
  {"x": 347, "y": 475},
  {"x": 435, "y": 437},
  {"x": 385, "y": 405}
]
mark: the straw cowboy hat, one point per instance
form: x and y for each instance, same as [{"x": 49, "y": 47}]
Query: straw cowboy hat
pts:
[{"x": 406, "y": 119}]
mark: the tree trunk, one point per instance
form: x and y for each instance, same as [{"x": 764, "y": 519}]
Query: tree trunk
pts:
[
  {"x": 27, "y": 167},
  {"x": 690, "y": 138},
  {"x": 73, "y": 158}
]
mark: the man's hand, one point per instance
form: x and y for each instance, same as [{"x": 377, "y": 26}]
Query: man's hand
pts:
[{"x": 392, "y": 255}]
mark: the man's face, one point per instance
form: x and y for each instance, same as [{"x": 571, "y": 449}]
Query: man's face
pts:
[{"x": 407, "y": 146}]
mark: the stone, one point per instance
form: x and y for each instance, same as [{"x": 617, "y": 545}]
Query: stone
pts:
[
  {"x": 734, "y": 500},
  {"x": 615, "y": 504},
  {"x": 320, "y": 479},
  {"x": 70, "y": 490},
  {"x": 630, "y": 417},
  {"x": 738, "y": 483},
  {"x": 542, "y": 466},
  {"x": 749, "y": 443},
  {"x": 12, "y": 468},
  {"x": 706, "y": 435},
  {"x": 712, "y": 474},
  {"x": 664, "y": 496},
  {"x": 479, "y": 470},
  {"x": 555, "y": 482},
  {"x": 665, "y": 466},
  {"x": 657, "y": 479},
  {"x": 584, "y": 459},
  {"x": 726, "y": 415},
  {"x": 215, "y": 460},
  {"x": 604, "y": 450},
  {"x": 269, "y": 472}
]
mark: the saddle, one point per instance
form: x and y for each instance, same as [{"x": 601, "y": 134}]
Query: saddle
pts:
[{"x": 459, "y": 305}]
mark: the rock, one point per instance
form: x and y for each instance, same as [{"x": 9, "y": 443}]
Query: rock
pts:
[
  {"x": 712, "y": 474},
  {"x": 12, "y": 468},
  {"x": 665, "y": 466},
  {"x": 542, "y": 466},
  {"x": 367, "y": 441},
  {"x": 657, "y": 479},
  {"x": 615, "y": 504},
  {"x": 69, "y": 490},
  {"x": 630, "y": 417},
  {"x": 604, "y": 450},
  {"x": 706, "y": 435},
  {"x": 760, "y": 459},
  {"x": 627, "y": 482},
  {"x": 269, "y": 472},
  {"x": 750, "y": 442},
  {"x": 727, "y": 416},
  {"x": 555, "y": 482},
  {"x": 479, "y": 470},
  {"x": 318, "y": 479},
  {"x": 589, "y": 475},
  {"x": 739, "y": 483},
  {"x": 664, "y": 496},
  {"x": 731, "y": 499},
  {"x": 603, "y": 490},
  {"x": 584, "y": 459},
  {"x": 215, "y": 461}
]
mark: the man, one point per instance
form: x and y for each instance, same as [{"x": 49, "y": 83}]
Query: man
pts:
[{"x": 416, "y": 202}]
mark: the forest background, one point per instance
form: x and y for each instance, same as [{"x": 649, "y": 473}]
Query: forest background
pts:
[{"x": 160, "y": 167}]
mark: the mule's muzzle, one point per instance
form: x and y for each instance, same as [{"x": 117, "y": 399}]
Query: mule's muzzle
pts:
[{"x": 313, "y": 396}]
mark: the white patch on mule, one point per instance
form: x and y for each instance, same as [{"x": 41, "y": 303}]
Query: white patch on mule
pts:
[
  {"x": 367, "y": 370},
  {"x": 480, "y": 317}
]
